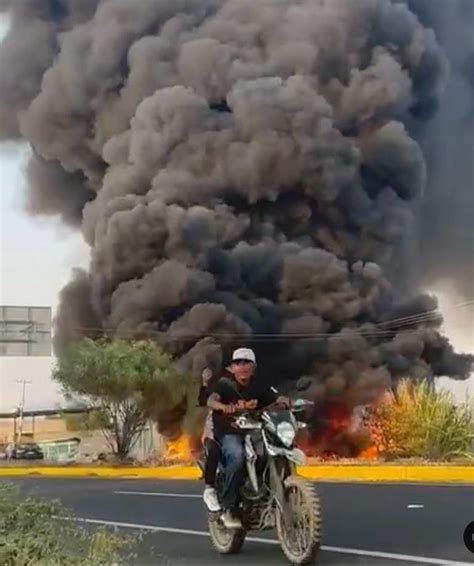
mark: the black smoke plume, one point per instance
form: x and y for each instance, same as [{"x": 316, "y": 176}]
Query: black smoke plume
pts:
[
  {"x": 446, "y": 211},
  {"x": 246, "y": 169}
]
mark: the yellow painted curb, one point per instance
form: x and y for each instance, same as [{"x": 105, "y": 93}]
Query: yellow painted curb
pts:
[
  {"x": 424, "y": 474},
  {"x": 165, "y": 473},
  {"x": 341, "y": 473}
]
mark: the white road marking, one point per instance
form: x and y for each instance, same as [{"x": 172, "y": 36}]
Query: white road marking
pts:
[
  {"x": 158, "y": 494},
  {"x": 194, "y": 496},
  {"x": 335, "y": 549}
]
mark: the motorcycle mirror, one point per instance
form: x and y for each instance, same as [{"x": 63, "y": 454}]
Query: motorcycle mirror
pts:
[{"x": 301, "y": 403}]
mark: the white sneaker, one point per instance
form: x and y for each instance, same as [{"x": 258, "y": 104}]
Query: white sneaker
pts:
[
  {"x": 230, "y": 521},
  {"x": 211, "y": 500}
]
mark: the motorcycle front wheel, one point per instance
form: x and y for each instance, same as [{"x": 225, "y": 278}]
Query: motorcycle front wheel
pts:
[
  {"x": 225, "y": 541},
  {"x": 300, "y": 540}
]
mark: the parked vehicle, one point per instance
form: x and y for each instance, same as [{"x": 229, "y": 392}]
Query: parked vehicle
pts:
[{"x": 27, "y": 452}]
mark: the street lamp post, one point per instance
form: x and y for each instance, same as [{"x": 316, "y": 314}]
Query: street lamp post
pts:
[{"x": 25, "y": 382}]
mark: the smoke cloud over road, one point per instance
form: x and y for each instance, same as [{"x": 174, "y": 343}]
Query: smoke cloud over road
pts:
[{"x": 242, "y": 169}]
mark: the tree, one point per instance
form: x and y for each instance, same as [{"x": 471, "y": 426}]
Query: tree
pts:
[{"x": 123, "y": 382}]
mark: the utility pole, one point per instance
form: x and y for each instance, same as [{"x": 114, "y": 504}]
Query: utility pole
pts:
[{"x": 24, "y": 382}]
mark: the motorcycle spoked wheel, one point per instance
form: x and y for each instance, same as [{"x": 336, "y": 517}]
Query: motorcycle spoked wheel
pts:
[
  {"x": 301, "y": 540},
  {"x": 225, "y": 541}
]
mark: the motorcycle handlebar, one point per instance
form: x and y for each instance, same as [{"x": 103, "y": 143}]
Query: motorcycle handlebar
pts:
[{"x": 293, "y": 407}]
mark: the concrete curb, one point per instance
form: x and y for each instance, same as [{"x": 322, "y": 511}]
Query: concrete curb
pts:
[
  {"x": 393, "y": 474},
  {"x": 335, "y": 473},
  {"x": 161, "y": 473}
]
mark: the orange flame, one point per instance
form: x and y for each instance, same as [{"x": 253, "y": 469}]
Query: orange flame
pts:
[
  {"x": 345, "y": 434},
  {"x": 372, "y": 426},
  {"x": 179, "y": 449},
  {"x": 370, "y": 453},
  {"x": 342, "y": 436}
]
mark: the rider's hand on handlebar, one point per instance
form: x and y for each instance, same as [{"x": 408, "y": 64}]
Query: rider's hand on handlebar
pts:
[
  {"x": 229, "y": 409},
  {"x": 284, "y": 401},
  {"x": 243, "y": 405}
]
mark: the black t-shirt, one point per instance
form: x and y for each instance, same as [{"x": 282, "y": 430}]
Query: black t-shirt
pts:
[
  {"x": 230, "y": 391},
  {"x": 205, "y": 391}
]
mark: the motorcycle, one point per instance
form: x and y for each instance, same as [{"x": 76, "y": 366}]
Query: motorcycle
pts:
[{"x": 272, "y": 495}]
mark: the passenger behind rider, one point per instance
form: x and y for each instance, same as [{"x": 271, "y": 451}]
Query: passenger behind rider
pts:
[
  {"x": 240, "y": 391},
  {"x": 211, "y": 448}
]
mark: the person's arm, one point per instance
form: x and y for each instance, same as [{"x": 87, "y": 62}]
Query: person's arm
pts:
[
  {"x": 270, "y": 396},
  {"x": 215, "y": 404},
  {"x": 218, "y": 397},
  {"x": 204, "y": 391}
]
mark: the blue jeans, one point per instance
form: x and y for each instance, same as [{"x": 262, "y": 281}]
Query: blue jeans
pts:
[{"x": 233, "y": 459}]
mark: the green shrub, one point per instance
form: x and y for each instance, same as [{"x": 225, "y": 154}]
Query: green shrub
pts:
[
  {"x": 124, "y": 384},
  {"x": 421, "y": 422},
  {"x": 36, "y": 532}
]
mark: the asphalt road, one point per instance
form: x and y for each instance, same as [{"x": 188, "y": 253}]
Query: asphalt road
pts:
[{"x": 362, "y": 524}]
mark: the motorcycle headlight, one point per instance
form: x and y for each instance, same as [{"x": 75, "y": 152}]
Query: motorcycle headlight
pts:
[{"x": 286, "y": 433}]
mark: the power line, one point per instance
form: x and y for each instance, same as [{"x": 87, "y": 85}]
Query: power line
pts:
[
  {"x": 376, "y": 330},
  {"x": 434, "y": 313}
]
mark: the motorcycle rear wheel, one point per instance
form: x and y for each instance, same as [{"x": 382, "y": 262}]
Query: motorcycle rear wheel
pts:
[
  {"x": 301, "y": 540},
  {"x": 225, "y": 541}
]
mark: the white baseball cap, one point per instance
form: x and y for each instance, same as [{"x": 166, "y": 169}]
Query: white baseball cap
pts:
[{"x": 244, "y": 354}]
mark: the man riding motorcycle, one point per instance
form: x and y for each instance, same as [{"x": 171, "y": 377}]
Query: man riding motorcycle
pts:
[{"x": 241, "y": 391}]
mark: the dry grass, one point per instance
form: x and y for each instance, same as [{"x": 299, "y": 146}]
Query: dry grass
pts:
[{"x": 425, "y": 424}]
